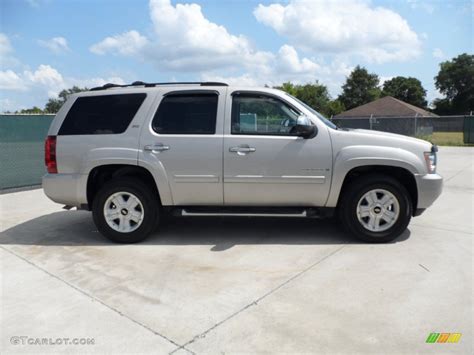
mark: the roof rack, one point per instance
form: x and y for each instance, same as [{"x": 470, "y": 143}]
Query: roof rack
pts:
[{"x": 149, "y": 85}]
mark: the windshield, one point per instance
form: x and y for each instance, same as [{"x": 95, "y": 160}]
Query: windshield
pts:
[{"x": 314, "y": 112}]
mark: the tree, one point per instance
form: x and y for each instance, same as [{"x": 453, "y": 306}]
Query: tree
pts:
[
  {"x": 315, "y": 95},
  {"x": 335, "y": 107},
  {"x": 33, "y": 110},
  {"x": 360, "y": 88},
  {"x": 409, "y": 90},
  {"x": 443, "y": 107},
  {"x": 53, "y": 105},
  {"x": 455, "y": 81}
]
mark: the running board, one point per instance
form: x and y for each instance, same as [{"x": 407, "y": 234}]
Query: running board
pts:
[
  {"x": 186, "y": 213},
  {"x": 252, "y": 211}
]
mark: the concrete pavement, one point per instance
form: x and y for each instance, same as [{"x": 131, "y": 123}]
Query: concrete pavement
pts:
[{"x": 247, "y": 285}]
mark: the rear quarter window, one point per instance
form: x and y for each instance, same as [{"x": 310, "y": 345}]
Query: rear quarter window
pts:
[{"x": 105, "y": 114}]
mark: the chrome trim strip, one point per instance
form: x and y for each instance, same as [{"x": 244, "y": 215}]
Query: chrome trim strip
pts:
[
  {"x": 284, "y": 179},
  {"x": 196, "y": 178}
]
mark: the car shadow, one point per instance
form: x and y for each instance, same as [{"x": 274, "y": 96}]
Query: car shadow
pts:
[{"x": 76, "y": 228}]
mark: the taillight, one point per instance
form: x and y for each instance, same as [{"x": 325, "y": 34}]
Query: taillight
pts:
[{"x": 50, "y": 154}]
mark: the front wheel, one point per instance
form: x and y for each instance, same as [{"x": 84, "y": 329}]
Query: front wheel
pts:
[
  {"x": 125, "y": 210},
  {"x": 375, "y": 208}
]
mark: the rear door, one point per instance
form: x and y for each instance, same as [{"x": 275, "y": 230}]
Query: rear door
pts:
[{"x": 183, "y": 144}]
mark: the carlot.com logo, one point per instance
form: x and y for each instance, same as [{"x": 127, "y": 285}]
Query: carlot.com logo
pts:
[{"x": 444, "y": 338}]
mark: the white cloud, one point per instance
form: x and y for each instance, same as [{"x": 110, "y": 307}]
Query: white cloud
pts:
[
  {"x": 184, "y": 40},
  {"x": 438, "y": 53},
  {"x": 351, "y": 27},
  {"x": 5, "y": 45},
  {"x": 9, "y": 80},
  {"x": 427, "y": 6},
  {"x": 241, "y": 80},
  {"x": 28, "y": 87},
  {"x": 56, "y": 45},
  {"x": 46, "y": 76},
  {"x": 48, "y": 80},
  {"x": 288, "y": 66},
  {"x": 6, "y": 52},
  {"x": 128, "y": 43},
  {"x": 93, "y": 82},
  {"x": 290, "y": 62}
]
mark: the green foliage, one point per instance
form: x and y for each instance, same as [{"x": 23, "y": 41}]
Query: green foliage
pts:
[
  {"x": 315, "y": 95},
  {"x": 53, "y": 105},
  {"x": 455, "y": 81},
  {"x": 409, "y": 90},
  {"x": 360, "y": 88},
  {"x": 334, "y": 107},
  {"x": 443, "y": 107},
  {"x": 33, "y": 110}
]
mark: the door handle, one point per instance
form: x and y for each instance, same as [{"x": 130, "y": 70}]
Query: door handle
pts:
[
  {"x": 242, "y": 150},
  {"x": 159, "y": 147}
]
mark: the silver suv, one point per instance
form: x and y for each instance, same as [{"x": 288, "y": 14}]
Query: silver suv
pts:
[{"x": 133, "y": 153}]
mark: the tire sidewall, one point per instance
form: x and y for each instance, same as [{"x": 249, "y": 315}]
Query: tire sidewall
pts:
[
  {"x": 351, "y": 220},
  {"x": 150, "y": 209}
]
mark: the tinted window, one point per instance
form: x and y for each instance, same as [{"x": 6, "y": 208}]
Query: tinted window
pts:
[
  {"x": 186, "y": 114},
  {"x": 263, "y": 115},
  {"x": 106, "y": 114}
]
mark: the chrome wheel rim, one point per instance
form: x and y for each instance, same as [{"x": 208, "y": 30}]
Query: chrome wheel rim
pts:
[
  {"x": 378, "y": 210},
  {"x": 123, "y": 212}
]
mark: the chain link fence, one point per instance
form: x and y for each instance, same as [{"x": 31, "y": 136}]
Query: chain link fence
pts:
[
  {"x": 22, "y": 149},
  {"x": 449, "y": 130}
]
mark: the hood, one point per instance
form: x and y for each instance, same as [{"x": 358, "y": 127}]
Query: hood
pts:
[
  {"x": 390, "y": 135},
  {"x": 364, "y": 137}
]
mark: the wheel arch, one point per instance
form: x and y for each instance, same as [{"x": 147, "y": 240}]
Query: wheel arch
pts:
[
  {"x": 401, "y": 174},
  {"x": 101, "y": 174}
]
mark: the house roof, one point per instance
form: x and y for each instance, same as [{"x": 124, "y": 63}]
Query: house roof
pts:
[{"x": 386, "y": 106}]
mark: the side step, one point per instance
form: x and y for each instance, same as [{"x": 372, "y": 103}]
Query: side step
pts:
[{"x": 252, "y": 211}]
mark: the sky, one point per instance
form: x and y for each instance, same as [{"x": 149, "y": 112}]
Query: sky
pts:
[{"x": 49, "y": 45}]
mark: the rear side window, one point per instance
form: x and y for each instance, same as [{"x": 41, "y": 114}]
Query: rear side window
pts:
[
  {"x": 186, "y": 114},
  {"x": 107, "y": 114}
]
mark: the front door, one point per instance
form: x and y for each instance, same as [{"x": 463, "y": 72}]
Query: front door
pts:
[{"x": 264, "y": 163}]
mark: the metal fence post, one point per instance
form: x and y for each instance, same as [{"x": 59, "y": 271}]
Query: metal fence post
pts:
[{"x": 416, "y": 120}]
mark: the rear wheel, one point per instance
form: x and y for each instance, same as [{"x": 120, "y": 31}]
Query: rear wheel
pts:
[
  {"x": 125, "y": 210},
  {"x": 375, "y": 208}
]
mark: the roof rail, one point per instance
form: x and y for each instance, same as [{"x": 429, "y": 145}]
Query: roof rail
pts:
[{"x": 149, "y": 85}]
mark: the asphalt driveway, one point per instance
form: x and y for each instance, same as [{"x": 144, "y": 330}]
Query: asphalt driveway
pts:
[{"x": 238, "y": 285}]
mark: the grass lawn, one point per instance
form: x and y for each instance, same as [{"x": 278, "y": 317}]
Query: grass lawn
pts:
[{"x": 446, "y": 138}]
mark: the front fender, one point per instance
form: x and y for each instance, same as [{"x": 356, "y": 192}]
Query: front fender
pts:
[{"x": 352, "y": 157}]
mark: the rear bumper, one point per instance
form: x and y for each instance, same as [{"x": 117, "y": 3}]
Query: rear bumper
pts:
[
  {"x": 429, "y": 187},
  {"x": 68, "y": 189}
]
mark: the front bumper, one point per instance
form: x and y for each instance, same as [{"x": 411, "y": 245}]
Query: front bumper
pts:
[{"x": 429, "y": 187}]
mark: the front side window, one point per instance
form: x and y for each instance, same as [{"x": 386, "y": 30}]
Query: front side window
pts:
[
  {"x": 186, "y": 114},
  {"x": 102, "y": 114},
  {"x": 262, "y": 115}
]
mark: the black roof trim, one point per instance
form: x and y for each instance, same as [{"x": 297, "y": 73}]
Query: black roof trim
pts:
[{"x": 149, "y": 85}]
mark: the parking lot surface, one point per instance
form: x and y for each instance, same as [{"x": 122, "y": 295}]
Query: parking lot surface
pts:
[{"x": 239, "y": 285}]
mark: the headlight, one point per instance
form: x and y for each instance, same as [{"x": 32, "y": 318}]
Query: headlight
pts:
[{"x": 430, "y": 159}]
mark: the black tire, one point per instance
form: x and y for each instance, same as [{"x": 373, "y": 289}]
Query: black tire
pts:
[
  {"x": 356, "y": 190},
  {"x": 148, "y": 199}
]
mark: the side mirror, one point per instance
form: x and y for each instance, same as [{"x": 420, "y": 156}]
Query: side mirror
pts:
[{"x": 305, "y": 128}]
